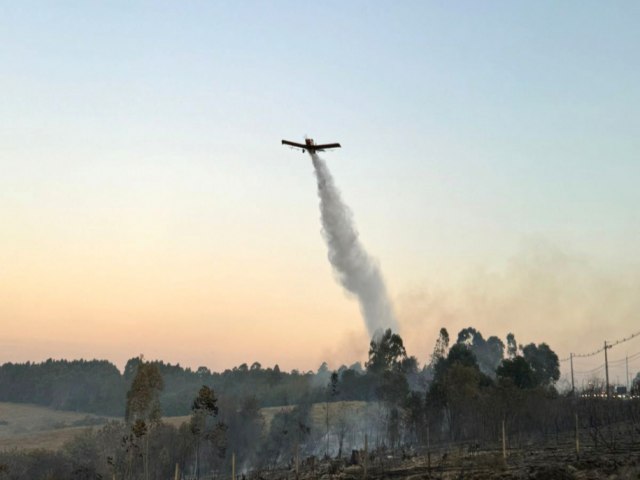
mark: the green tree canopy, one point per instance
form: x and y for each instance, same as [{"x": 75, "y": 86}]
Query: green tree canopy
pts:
[
  {"x": 488, "y": 352},
  {"x": 544, "y": 363},
  {"x": 386, "y": 353},
  {"x": 143, "y": 397},
  {"x": 518, "y": 372}
]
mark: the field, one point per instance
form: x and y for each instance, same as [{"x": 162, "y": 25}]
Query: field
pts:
[
  {"x": 354, "y": 409},
  {"x": 30, "y": 426}
]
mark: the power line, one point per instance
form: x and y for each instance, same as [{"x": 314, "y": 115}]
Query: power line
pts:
[
  {"x": 618, "y": 362},
  {"x": 618, "y": 342},
  {"x": 584, "y": 355},
  {"x": 586, "y": 372},
  {"x": 623, "y": 360},
  {"x": 608, "y": 345}
]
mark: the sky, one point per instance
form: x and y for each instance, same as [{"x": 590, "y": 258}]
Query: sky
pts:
[{"x": 146, "y": 204}]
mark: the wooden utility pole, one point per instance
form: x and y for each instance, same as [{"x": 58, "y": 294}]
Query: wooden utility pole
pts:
[
  {"x": 198, "y": 459},
  {"x": 233, "y": 466},
  {"x": 297, "y": 461},
  {"x": 366, "y": 454},
  {"x": 628, "y": 385},
  {"x": 577, "y": 438},
  {"x": 146, "y": 457},
  {"x": 504, "y": 441},
  {"x": 428, "y": 449},
  {"x": 573, "y": 385},
  {"x": 606, "y": 368}
]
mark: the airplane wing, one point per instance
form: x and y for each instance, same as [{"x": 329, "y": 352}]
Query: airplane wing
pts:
[
  {"x": 327, "y": 145},
  {"x": 294, "y": 144}
]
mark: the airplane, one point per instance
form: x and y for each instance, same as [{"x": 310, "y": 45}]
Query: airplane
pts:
[{"x": 310, "y": 146}]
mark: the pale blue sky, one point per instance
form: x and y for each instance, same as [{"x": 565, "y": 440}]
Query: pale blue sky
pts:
[{"x": 469, "y": 129}]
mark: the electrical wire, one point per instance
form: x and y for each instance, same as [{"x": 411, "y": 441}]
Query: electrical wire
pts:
[
  {"x": 608, "y": 345},
  {"x": 587, "y": 372}
]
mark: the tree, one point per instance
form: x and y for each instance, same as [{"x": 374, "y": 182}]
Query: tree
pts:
[
  {"x": 518, "y": 372},
  {"x": 289, "y": 430},
  {"x": 441, "y": 346},
  {"x": 255, "y": 367},
  {"x": 143, "y": 410},
  {"x": 393, "y": 388},
  {"x": 274, "y": 375},
  {"x": 635, "y": 385},
  {"x": 143, "y": 397},
  {"x": 356, "y": 367},
  {"x": 203, "y": 427},
  {"x": 244, "y": 368},
  {"x": 343, "y": 425},
  {"x": 439, "y": 352},
  {"x": 512, "y": 346},
  {"x": 544, "y": 363},
  {"x": 488, "y": 352},
  {"x": 245, "y": 426},
  {"x": 386, "y": 353},
  {"x": 84, "y": 454},
  {"x": 456, "y": 386},
  {"x": 331, "y": 394},
  {"x": 458, "y": 354},
  {"x": 415, "y": 415}
]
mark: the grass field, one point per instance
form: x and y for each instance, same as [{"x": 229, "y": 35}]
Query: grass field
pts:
[
  {"x": 32, "y": 426},
  {"x": 353, "y": 409},
  {"x": 29, "y": 426}
]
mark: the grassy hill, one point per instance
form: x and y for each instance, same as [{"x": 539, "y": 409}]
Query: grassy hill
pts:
[
  {"x": 30, "y": 426},
  {"x": 355, "y": 409}
]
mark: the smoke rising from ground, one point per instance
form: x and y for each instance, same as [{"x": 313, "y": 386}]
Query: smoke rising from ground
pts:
[{"x": 358, "y": 273}]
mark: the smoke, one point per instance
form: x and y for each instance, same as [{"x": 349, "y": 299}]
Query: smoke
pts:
[
  {"x": 358, "y": 273},
  {"x": 544, "y": 293}
]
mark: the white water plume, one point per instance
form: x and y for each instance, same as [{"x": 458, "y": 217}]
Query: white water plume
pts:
[{"x": 358, "y": 273}]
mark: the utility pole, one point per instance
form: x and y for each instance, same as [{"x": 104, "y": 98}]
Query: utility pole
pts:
[
  {"x": 577, "y": 438},
  {"x": 366, "y": 455},
  {"x": 573, "y": 386},
  {"x": 628, "y": 385},
  {"x": 606, "y": 367},
  {"x": 504, "y": 442},
  {"x": 233, "y": 466},
  {"x": 428, "y": 450}
]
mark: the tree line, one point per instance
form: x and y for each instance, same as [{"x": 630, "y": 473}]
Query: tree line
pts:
[
  {"x": 97, "y": 386},
  {"x": 462, "y": 395}
]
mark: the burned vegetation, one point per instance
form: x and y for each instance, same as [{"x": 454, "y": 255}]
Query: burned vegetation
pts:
[{"x": 479, "y": 408}]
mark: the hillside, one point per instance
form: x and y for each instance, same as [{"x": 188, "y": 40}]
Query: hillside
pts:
[{"x": 32, "y": 426}]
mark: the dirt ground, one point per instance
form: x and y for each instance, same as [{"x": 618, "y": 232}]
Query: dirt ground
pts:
[{"x": 542, "y": 464}]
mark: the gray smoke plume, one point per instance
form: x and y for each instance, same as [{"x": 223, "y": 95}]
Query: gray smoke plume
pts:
[{"x": 358, "y": 273}]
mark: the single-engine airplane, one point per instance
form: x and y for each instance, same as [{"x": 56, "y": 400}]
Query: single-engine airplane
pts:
[{"x": 310, "y": 146}]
